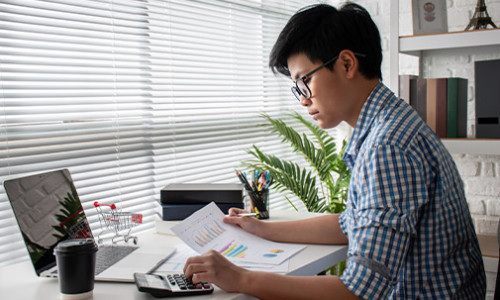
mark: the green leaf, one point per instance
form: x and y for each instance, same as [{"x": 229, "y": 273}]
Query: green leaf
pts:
[{"x": 315, "y": 185}]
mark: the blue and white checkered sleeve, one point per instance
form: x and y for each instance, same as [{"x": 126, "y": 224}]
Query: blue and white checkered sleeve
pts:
[{"x": 388, "y": 191}]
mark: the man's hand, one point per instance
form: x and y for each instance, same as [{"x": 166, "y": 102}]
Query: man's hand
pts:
[
  {"x": 214, "y": 268},
  {"x": 248, "y": 223}
]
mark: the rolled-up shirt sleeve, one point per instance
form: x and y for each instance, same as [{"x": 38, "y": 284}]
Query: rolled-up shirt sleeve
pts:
[{"x": 385, "y": 195}]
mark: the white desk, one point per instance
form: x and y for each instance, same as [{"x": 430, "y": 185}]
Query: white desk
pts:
[{"x": 19, "y": 281}]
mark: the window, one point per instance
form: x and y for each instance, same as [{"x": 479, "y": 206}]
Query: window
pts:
[{"x": 132, "y": 95}]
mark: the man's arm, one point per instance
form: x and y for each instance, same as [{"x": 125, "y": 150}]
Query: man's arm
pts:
[
  {"x": 323, "y": 229},
  {"x": 215, "y": 268},
  {"x": 317, "y": 230},
  {"x": 264, "y": 285}
]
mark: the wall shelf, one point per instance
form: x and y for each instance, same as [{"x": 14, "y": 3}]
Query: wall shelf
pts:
[
  {"x": 473, "y": 146},
  {"x": 417, "y": 44},
  {"x": 414, "y": 44}
]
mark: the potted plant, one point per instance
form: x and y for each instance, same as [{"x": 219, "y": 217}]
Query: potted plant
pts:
[{"x": 322, "y": 186}]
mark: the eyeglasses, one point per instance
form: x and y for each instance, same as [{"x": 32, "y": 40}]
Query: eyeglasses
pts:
[{"x": 302, "y": 89}]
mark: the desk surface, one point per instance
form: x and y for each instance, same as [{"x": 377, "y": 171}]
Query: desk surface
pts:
[{"x": 19, "y": 281}]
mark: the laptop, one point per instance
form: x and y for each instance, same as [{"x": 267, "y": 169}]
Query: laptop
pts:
[{"x": 48, "y": 210}]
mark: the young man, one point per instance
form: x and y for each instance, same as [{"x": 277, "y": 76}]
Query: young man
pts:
[{"x": 407, "y": 223}]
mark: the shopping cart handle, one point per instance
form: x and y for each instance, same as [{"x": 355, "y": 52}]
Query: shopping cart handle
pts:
[{"x": 112, "y": 206}]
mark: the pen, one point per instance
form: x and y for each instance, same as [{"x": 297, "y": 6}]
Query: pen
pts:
[
  {"x": 161, "y": 262},
  {"x": 257, "y": 188},
  {"x": 243, "y": 180},
  {"x": 245, "y": 215}
]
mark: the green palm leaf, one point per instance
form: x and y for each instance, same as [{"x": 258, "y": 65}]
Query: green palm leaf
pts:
[
  {"x": 319, "y": 157},
  {"x": 315, "y": 186},
  {"x": 288, "y": 176}
]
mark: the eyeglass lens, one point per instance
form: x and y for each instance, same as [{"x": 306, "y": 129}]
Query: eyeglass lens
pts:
[{"x": 301, "y": 89}]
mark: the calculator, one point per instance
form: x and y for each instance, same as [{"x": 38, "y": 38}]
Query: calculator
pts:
[{"x": 170, "y": 285}]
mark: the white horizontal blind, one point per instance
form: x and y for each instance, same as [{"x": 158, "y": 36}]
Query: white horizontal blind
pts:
[
  {"x": 210, "y": 82},
  {"x": 133, "y": 95},
  {"x": 74, "y": 94}
]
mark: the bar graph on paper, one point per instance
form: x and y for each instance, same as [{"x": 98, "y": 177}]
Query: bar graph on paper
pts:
[
  {"x": 234, "y": 249},
  {"x": 208, "y": 233},
  {"x": 205, "y": 230}
]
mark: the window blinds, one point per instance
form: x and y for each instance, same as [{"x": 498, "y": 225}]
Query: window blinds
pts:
[{"x": 133, "y": 95}]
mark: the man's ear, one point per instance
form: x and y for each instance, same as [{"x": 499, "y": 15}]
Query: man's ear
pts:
[{"x": 349, "y": 63}]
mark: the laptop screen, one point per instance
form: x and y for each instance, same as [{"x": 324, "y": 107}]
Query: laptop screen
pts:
[{"x": 48, "y": 210}]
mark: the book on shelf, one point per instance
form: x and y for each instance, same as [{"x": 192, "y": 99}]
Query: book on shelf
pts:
[
  {"x": 487, "y": 88},
  {"x": 404, "y": 87},
  {"x": 456, "y": 103},
  {"x": 436, "y": 105},
  {"x": 441, "y": 103},
  {"x": 418, "y": 96}
]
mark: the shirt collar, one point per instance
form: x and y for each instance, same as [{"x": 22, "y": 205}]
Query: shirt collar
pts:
[{"x": 371, "y": 108}]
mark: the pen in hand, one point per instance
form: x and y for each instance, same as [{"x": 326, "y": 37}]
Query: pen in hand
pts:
[{"x": 244, "y": 215}]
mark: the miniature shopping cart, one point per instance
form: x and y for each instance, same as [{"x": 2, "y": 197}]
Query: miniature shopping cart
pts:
[{"x": 117, "y": 222}]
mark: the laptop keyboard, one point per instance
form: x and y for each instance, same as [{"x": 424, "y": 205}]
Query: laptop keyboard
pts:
[{"x": 108, "y": 255}]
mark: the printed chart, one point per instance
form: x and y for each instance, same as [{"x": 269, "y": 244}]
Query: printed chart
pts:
[
  {"x": 205, "y": 230},
  {"x": 233, "y": 249},
  {"x": 273, "y": 253},
  {"x": 177, "y": 261},
  {"x": 208, "y": 233}
]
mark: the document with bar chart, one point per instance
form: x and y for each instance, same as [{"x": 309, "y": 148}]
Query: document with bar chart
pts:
[{"x": 204, "y": 230}]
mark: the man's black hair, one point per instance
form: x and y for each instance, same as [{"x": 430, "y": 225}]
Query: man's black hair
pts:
[{"x": 321, "y": 31}]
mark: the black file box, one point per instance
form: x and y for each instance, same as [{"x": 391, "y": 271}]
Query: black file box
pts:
[{"x": 180, "y": 200}]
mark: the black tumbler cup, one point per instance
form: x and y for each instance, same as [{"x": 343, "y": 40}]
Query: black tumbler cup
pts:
[{"x": 76, "y": 266}]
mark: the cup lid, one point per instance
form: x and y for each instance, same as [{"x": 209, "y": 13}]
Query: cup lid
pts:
[{"x": 76, "y": 246}]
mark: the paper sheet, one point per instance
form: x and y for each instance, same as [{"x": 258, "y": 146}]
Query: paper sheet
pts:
[
  {"x": 204, "y": 230},
  {"x": 177, "y": 261}
]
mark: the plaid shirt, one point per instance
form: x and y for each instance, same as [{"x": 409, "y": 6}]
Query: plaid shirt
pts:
[{"x": 409, "y": 227}]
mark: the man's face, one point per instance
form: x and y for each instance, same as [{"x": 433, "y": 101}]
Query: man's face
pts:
[{"x": 329, "y": 104}]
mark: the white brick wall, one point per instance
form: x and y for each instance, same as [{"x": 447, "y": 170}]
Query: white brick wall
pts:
[{"x": 481, "y": 173}]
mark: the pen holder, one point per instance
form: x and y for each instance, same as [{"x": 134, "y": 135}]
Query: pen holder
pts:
[{"x": 259, "y": 203}]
